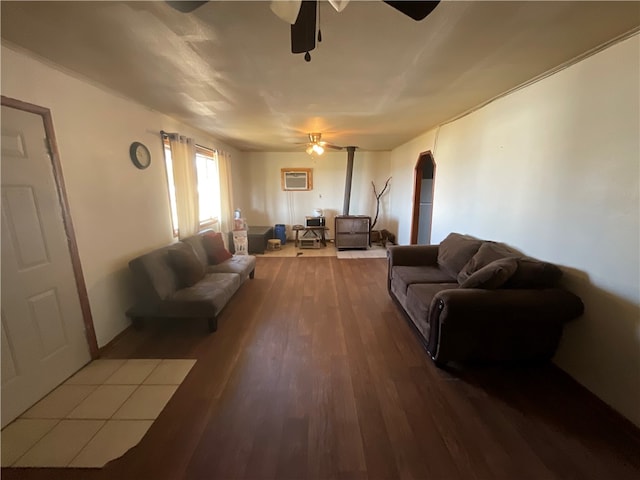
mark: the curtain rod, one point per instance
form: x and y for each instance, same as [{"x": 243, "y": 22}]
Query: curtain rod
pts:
[{"x": 170, "y": 134}]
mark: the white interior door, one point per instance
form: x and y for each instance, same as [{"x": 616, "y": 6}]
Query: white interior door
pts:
[{"x": 43, "y": 333}]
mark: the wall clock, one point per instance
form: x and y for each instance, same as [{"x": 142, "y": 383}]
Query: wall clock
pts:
[{"x": 140, "y": 155}]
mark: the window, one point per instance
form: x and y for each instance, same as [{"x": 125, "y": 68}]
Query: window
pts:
[{"x": 208, "y": 186}]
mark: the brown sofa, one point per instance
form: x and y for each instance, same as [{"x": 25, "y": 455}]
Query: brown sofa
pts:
[
  {"x": 470, "y": 299},
  {"x": 193, "y": 278}
]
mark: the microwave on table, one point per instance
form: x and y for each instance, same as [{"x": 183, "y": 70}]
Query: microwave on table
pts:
[{"x": 314, "y": 222}]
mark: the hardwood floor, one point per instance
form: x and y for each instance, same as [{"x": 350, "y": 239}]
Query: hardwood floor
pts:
[{"x": 314, "y": 373}]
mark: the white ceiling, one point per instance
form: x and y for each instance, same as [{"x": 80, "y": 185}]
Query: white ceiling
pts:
[{"x": 377, "y": 80}]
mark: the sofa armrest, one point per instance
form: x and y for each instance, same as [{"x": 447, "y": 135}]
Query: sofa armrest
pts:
[
  {"x": 413, "y": 255},
  {"x": 499, "y": 324},
  {"x": 466, "y": 304}
]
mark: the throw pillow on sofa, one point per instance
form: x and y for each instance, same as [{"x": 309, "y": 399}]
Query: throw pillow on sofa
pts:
[
  {"x": 493, "y": 275},
  {"x": 455, "y": 251},
  {"x": 532, "y": 273},
  {"x": 185, "y": 264},
  {"x": 213, "y": 244},
  {"x": 488, "y": 252}
]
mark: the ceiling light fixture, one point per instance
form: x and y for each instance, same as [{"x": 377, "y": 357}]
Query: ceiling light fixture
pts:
[{"x": 315, "y": 149}]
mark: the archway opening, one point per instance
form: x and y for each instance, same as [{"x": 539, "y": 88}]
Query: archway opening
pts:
[{"x": 424, "y": 179}]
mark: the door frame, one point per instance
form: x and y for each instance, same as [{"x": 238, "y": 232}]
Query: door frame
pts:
[
  {"x": 81, "y": 287},
  {"x": 417, "y": 186}
]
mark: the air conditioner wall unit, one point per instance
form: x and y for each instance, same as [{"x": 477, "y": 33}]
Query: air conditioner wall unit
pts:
[{"x": 296, "y": 179}]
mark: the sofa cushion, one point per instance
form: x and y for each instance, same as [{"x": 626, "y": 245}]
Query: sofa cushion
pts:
[
  {"x": 243, "y": 265},
  {"x": 487, "y": 253},
  {"x": 185, "y": 264},
  {"x": 206, "y": 298},
  {"x": 493, "y": 275},
  {"x": 418, "y": 302},
  {"x": 532, "y": 273},
  {"x": 403, "y": 276},
  {"x": 154, "y": 277},
  {"x": 196, "y": 243},
  {"x": 213, "y": 244},
  {"x": 455, "y": 251}
]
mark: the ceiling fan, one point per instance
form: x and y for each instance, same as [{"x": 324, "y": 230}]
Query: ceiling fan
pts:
[
  {"x": 316, "y": 146},
  {"x": 302, "y": 15}
]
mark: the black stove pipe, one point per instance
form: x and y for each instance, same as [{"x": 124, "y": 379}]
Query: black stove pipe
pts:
[{"x": 347, "y": 185}]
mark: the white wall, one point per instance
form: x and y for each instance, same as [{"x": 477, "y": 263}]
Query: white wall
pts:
[
  {"x": 118, "y": 211},
  {"x": 554, "y": 169},
  {"x": 263, "y": 202}
]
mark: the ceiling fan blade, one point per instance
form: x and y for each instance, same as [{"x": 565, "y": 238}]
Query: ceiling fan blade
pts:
[
  {"x": 186, "y": 7},
  {"x": 326, "y": 145},
  {"x": 416, "y": 10},
  {"x": 333, "y": 147},
  {"x": 338, "y": 5},
  {"x": 287, "y": 10},
  {"x": 303, "y": 31}
]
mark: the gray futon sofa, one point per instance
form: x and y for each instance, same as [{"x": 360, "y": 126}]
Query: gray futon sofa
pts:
[{"x": 187, "y": 280}]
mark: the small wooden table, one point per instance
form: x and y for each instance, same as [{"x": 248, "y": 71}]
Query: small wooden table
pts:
[{"x": 314, "y": 232}]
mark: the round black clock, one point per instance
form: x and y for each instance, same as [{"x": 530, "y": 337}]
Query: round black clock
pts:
[{"x": 140, "y": 155}]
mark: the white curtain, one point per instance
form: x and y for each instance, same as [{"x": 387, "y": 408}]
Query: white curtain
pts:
[
  {"x": 226, "y": 192},
  {"x": 183, "y": 155}
]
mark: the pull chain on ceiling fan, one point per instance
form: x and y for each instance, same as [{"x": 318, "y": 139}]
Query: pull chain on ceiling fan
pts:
[
  {"x": 303, "y": 28},
  {"x": 303, "y": 15}
]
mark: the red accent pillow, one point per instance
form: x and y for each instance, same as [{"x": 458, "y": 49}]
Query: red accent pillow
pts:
[{"x": 214, "y": 246}]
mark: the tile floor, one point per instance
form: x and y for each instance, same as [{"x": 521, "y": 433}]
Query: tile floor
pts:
[{"x": 95, "y": 416}]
